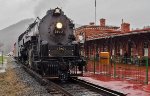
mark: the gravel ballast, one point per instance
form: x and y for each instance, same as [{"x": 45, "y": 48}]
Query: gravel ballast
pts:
[{"x": 16, "y": 82}]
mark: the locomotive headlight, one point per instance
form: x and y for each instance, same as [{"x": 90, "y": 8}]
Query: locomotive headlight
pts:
[{"x": 59, "y": 25}]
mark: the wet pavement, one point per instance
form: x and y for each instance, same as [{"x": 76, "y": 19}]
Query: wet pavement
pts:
[
  {"x": 129, "y": 79},
  {"x": 119, "y": 85}
]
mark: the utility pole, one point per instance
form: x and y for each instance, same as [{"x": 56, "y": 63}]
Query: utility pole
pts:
[{"x": 95, "y": 12}]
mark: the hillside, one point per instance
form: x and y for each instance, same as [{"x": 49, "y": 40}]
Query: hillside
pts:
[{"x": 9, "y": 35}]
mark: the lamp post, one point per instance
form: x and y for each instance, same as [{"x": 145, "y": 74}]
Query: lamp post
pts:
[
  {"x": 2, "y": 57},
  {"x": 95, "y": 58},
  {"x": 113, "y": 57},
  {"x": 146, "y": 69},
  {"x": 146, "y": 60},
  {"x": 146, "y": 55}
]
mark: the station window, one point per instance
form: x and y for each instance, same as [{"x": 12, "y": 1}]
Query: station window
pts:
[
  {"x": 145, "y": 48},
  {"x": 145, "y": 44}
]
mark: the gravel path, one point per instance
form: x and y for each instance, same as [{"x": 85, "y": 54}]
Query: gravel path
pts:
[{"x": 16, "y": 82}]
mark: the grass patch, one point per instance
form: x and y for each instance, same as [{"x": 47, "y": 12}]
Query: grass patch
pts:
[{"x": 1, "y": 59}]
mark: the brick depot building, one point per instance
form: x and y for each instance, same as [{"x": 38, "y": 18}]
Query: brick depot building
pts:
[{"x": 116, "y": 40}]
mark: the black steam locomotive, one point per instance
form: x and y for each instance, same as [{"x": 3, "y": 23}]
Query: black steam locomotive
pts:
[{"x": 48, "y": 47}]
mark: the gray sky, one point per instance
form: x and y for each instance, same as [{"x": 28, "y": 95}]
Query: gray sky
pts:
[{"x": 135, "y": 12}]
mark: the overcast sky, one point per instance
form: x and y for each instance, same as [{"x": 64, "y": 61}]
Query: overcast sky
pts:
[{"x": 135, "y": 12}]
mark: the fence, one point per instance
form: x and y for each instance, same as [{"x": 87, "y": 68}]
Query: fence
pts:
[{"x": 132, "y": 69}]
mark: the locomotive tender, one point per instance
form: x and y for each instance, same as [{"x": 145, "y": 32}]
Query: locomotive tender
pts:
[{"x": 48, "y": 47}]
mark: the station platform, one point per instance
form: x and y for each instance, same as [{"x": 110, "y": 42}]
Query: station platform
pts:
[
  {"x": 130, "y": 79},
  {"x": 131, "y": 89}
]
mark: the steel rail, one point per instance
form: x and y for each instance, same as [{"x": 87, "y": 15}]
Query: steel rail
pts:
[{"x": 99, "y": 89}]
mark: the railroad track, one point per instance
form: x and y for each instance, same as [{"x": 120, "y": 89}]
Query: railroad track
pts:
[
  {"x": 82, "y": 88},
  {"x": 52, "y": 88},
  {"x": 98, "y": 89},
  {"x": 73, "y": 87}
]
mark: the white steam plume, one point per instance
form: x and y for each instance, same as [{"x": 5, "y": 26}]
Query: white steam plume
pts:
[{"x": 44, "y": 5}]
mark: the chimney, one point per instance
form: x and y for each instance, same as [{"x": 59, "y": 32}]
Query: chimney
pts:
[
  {"x": 102, "y": 22},
  {"x": 125, "y": 27},
  {"x": 91, "y": 23}
]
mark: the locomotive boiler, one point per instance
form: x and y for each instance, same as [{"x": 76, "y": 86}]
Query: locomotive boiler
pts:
[{"x": 48, "y": 46}]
